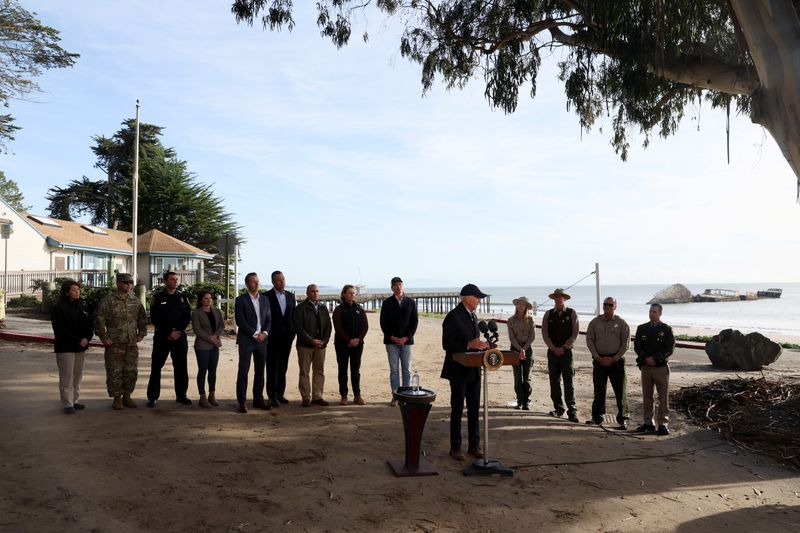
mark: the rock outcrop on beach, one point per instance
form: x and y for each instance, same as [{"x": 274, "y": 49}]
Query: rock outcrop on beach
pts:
[
  {"x": 674, "y": 294},
  {"x": 731, "y": 350}
]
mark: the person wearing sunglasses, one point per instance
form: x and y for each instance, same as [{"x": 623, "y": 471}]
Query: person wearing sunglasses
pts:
[
  {"x": 608, "y": 337},
  {"x": 121, "y": 323}
]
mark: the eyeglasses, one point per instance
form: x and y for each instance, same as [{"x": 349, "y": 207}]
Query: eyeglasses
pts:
[{"x": 607, "y": 305}]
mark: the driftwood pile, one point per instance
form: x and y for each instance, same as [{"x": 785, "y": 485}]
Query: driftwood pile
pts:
[{"x": 759, "y": 415}]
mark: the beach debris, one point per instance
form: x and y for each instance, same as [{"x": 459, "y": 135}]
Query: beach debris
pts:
[
  {"x": 731, "y": 350},
  {"x": 674, "y": 294},
  {"x": 759, "y": 415}
]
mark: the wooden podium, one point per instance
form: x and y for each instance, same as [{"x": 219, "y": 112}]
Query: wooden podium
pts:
[{"x": 489, "y": 360}]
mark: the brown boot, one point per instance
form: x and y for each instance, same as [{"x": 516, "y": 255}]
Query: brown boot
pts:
[
  {"x": 343, "y": 401},
  {"x": 212, "y": 400},
  {"x": 128, "y": 402},
  {"x": 358, "y": 400},
  {"x": 117, "y": 403},
  {"x": 203, "y": 402}
]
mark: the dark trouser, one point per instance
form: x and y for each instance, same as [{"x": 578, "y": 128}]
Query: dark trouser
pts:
[
  {"x": 616, "y": 374},
  {"x": 277, "y": 364},
  {"x": 207, "y": 362},
  {"x": 259, "y": 353},
  {"x": 561, "y": 368},
  {"x": 522, "y": 378},
  {"x": 345, "y": 354},
  {"x": 178, "y": 350},
  {"x": 471, "y": 392}
]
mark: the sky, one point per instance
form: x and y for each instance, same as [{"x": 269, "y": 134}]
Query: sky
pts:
[{"x": 340, "y": 171}]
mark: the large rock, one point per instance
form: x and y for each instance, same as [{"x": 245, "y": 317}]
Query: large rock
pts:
[
  {"x": 674, "y": 294},
  {"x": 731, "y": 350}
]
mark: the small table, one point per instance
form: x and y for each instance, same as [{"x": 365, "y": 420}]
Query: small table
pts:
[{"x": 414, "y": 406}]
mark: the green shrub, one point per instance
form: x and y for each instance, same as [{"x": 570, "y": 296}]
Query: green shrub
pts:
[
  {"x": 24, "y": 300},
  {"x": 93, "y": 296}
]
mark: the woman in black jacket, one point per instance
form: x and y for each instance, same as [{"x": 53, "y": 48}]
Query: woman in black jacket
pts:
[
  {"x": 350, "y": 323},
  {"x": 72, "y": 327}
]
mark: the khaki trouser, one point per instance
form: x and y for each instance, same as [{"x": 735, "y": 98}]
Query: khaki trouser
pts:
[
  {"x": 311, "y": 358},
  {"x": 657, "y": 376},
  {"x": 70, "y": 374}
]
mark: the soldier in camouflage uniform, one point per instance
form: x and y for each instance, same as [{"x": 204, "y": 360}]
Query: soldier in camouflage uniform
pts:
[{"x": 120, "y": 322}]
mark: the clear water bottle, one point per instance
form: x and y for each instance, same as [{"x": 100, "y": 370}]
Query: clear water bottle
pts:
[{"x": 415, "y": 382}]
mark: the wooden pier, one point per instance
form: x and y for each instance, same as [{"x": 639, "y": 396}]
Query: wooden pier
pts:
[{"x": 427, "y": 302}]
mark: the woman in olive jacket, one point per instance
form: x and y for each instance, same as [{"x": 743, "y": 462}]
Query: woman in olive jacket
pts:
[
  {"x": 72, "y": 327},
  {"x": 208, "y": 326}
]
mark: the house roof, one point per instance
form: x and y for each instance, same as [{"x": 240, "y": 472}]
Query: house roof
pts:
[
  {"x": 74, "y": 235},
  {"x": 156, "y": 242},
  {"x": 67, "y": 234}
]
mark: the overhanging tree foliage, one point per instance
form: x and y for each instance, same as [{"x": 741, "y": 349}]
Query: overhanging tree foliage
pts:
[
  {"x": 170, "y": 199},
  {"x": 27, "y": 48},
  {"x": 639, "y": 62}
]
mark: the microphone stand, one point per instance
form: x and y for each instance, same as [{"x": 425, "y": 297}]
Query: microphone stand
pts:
[{"x": 485, "y": 466}]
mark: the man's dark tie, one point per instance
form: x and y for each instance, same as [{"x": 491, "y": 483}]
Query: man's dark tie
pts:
[{"x": 475, "y": 333}]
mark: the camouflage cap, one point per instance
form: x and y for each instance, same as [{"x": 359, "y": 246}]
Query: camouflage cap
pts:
[{"x": 124, "y": 277}]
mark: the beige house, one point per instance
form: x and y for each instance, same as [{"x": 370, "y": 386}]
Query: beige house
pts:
[{"x": 40, "y": 247}]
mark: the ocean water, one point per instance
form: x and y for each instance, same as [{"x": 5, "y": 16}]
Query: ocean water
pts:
[{"x": 780, "y": 315}]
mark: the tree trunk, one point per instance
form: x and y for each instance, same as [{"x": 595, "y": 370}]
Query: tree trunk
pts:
[{"x": 771, "y": 29}]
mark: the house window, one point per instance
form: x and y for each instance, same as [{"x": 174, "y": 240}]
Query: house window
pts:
[{"x": 94, "y": 262}]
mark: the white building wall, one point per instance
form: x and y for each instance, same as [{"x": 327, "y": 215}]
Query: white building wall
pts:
[{"x": 27, "y": 249}]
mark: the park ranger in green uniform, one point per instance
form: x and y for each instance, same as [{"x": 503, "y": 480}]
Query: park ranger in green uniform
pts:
[{"x": 120, "y": 322}]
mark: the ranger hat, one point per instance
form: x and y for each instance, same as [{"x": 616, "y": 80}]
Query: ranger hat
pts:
[
  {"x": 528, "y": 305},
  {"x": 470, "y": 289},
  {"x": 559, "y": 292},
  {"x": 124, "y": 277}
]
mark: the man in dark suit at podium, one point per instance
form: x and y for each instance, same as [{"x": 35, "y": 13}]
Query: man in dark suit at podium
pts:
[
  {"x": 281, "y": 336},
  {"x": 459, "y": 334}
]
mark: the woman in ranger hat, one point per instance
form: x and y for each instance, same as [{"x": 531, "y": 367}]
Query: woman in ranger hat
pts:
[{"x": 521, "y": 333}]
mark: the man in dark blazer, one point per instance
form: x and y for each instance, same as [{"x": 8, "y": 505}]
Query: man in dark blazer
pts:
[
  {"x": 253, "y": 321},
  {"x": 459, "y": 334},
  {"x": 281, "y": 336}
]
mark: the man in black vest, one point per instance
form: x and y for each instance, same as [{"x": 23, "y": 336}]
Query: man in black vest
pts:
[
  {"x": 171, "y": 314},
  {"x": 281, "y": 336},
  {"x": 460, "y": 333},
  {"x": 559, "y": 331}
]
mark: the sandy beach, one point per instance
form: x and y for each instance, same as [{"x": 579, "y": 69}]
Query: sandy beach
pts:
[{"x": 178, "y": 468}]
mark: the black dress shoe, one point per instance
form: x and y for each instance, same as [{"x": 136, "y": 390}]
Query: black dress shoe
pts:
[
  {"x": 526, "y": 406},
  {"x": 574, "y": 418},
  {"x": 242, "y": 408},
  {"x": 645, "y": 428},
  {"x": 556, "y": 414},
  {"x": 623, "y": 425},
  {"x": 323, "y": 403},
  {"x": 151, "y": 403},
  {"x": 662, "y": 431},
  {"x": 282, "y": 399},
  {"x": 595, "y": 421},
  {"x": 69, "y": 410},
  {"x": 260, "y": 404},
  {"x": 78, "y": 406},
  {"x": 306, "y": 403},
  {"x": 184, "y": 401},
  {"x": 274, "y": 403}
]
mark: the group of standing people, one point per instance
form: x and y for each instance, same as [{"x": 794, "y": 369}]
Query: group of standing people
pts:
[
  {"x": 607, "y": 338},
  {"x": 268, "y": 323}
]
